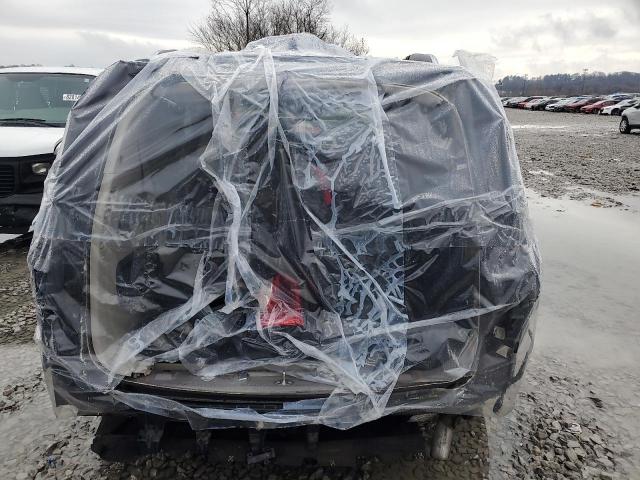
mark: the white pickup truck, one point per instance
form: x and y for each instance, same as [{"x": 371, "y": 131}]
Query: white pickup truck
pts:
[{"x": 34, "y": 104}]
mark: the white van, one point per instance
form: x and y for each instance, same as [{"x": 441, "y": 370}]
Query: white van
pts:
[{"x": 34, "y": 104}]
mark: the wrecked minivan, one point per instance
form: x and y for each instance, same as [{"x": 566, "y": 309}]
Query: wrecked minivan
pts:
[{"x": 272, "y": 249}]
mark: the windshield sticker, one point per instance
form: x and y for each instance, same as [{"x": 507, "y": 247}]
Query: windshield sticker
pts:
[{"x": 70, "y": 97}]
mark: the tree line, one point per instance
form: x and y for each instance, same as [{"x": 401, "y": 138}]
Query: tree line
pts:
[
  {"x": 21, "y": 65},
  {"x": 597, "y": 83}
]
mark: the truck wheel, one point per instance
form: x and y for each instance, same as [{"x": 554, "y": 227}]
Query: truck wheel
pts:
[{"x": 624, "y": 125}]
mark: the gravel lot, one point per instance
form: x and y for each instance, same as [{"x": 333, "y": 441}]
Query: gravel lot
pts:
[
  {"x": 575, "y": 155},
  {"x": 577, "y": 414}
]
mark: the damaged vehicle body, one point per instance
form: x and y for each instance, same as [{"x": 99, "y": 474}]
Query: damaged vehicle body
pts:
[{"x": 283, "y": 245}]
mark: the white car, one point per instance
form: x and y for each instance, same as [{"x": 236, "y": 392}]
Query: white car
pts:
[
  {"x": 34, "y": 104},
  {"x": 630, "y": 119},
  {"x": 618, "y": 108}
]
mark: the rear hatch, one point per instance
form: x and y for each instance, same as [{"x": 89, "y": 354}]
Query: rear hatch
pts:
[{"x": 226, "y": 247}]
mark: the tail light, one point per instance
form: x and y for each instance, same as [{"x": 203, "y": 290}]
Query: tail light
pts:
[
  {"x": 325, "y": 185},
  {"x": 284, "y": 308}
]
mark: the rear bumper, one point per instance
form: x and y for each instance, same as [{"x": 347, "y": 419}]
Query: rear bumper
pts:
[
  {"x": 488, "y": 389},
  {"x": 18, "y": 211},
  {"x": 266, "y": 399}
]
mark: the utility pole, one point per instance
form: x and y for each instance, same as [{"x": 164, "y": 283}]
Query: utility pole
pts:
[
  {"x": 584, "y": 76},
  {"x": 524, "y": 84}
]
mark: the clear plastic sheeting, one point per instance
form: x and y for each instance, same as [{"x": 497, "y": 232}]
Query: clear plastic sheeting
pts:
[
  {"x": 284, "y": 235},
  {"x": 481, "y": 64}
]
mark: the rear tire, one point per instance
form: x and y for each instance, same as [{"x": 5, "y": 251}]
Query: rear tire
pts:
[
  {"x": 615, "y": 112},
  {"x": 624, "y": 125}
]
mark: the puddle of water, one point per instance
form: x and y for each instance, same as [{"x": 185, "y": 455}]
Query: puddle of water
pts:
[
  {"x": 590, "y": 304},
  {"x": 4, "y": 237},
  {"x": 629, "y": 199},
  {"x": 537, "y": 127}
]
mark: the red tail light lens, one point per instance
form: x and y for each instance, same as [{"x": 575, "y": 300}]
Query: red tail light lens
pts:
[
  {"x": 284, "y": 308},
  {"x": 325, "y": 185}
]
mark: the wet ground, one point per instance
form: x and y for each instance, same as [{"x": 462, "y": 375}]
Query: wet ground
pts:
[
  {"x": 558, "y": 151},
  {"x": 578, "y": 414}
]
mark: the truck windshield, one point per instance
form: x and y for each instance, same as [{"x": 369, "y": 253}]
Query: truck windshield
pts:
[{"x": 39, "y": 98}]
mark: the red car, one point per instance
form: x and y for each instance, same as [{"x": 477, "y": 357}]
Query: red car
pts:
[
  {"x": 524, "y": 103},
  {"x": 597, "y": 107},
  {"x": 583, "y": 102}
]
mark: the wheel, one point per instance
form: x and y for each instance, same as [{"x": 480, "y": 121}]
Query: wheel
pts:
[
  {"x": 615, "y": 111},
  {"x": 624, "y": 125}
]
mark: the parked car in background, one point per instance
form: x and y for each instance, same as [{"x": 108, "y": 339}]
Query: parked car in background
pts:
[
  {"x": 34, "y": 104},
  {"x": 618, "y": 97},
  {"x": 524, "y": 102},
  {"x": 514, "y": 101},
  {"x": 542, "y": 103},
  {"x": 578, "y": 104},
  {"x": 550, "y": 101},
  {"x": 558, "y": 106},
  {"x": 618, "y": 108},
  {"x": 630, "y": 119},
  {"x": 529, "y": 105},
  {"x": 597, "y": 106}
]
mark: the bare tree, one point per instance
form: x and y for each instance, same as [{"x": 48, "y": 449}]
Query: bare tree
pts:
[
  {"x": 348, "y": 41},
  {"x": 231, "y": 24}
]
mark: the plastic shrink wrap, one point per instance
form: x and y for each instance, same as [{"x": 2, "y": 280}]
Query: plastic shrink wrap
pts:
[{"x": 284, "y": 235}]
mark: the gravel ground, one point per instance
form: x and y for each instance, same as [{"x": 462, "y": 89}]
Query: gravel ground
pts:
[
  {"x": 17, "y": 315},
  {"x": 576, "y": 416},
  {"x": 574, "y": 154}
]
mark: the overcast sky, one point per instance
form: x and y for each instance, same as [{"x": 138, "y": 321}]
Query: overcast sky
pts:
[{"x": 527, "y": 36}]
